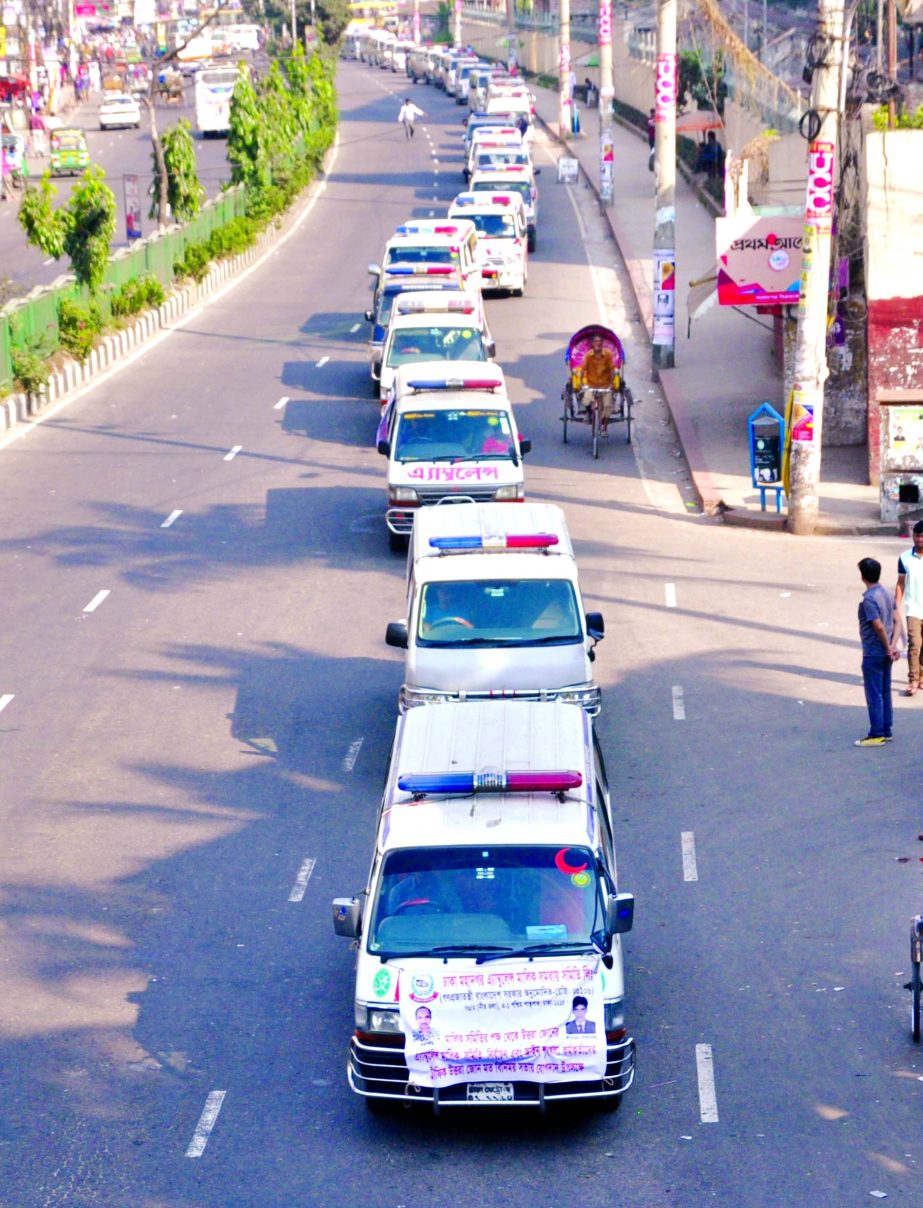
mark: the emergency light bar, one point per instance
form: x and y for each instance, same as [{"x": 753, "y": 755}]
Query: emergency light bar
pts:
[
  {"x": 503, "y": 200},
  {"x": 413, "y": 229},
  {"x": 420, "y": 270},
  {"x": 500, "y": 541},
  {"x": 489, "y": 782},
  {"x": 455, "y": 384},
  {"x": 452, "y": 306}
]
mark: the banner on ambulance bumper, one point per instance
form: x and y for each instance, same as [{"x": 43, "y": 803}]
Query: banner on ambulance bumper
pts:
[{"x": 544, "y": 1022}]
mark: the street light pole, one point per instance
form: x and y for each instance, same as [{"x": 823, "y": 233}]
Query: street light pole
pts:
[
  {"x": 810, "y": 362},
  {"x": 663, "y": 348},
  {"x": 606, "y": 94},
  {"x": 565, "y": 97},
  {"x": 457, "y": 28}
]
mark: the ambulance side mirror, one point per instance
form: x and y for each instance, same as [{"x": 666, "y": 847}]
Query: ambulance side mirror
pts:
[
  {"x": 384, "y": 448},
  {"x": 491, "y": 349},
  {"x": 369, "y": 317},
  {"x": 374, "y": 270},
  {"x": 525, "y": 445},
  {"x": 396, "y": 635},
  {"x": 595, "y": 626},
  {"x": 347, "y": 917},
  {"x": 620, "y": 913}
]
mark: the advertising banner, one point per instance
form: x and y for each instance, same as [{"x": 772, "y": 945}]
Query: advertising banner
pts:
[
  {"x": 132, "y": 208},
  {"x": 759, "y": 260},
  {"x": 664, "y": 296},
  {"x": 541, "y": 1022},
  {"x": 665, "y": 88},
  {"x": 802, "y": 418}
]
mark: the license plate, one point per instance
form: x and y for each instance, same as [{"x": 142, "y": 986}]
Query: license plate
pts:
[{"x": 490, "y": 1092}]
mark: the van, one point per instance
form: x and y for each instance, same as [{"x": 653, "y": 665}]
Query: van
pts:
[
  {"x": 509, "y": 179},
  {"x": 392, "y": 287},
  {"x": 503, "y": 237},
  {"x": 489, "y": 136},
  {"x": 435, "y": 243},
  {"x": 457, "y": 338},
  {"x": 489, "y": 966},
  {"x": 448, "y": 435},
  {"x": 494, "y": 608}
]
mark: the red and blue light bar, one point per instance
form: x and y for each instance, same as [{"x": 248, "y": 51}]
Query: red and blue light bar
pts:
[
  {"x": 411, "y": 228},
  {"x": 421, "y": 270},
  {"x": 454, "y": 384},
  {"x": 500, "y": 541},
  {"x": 420, "y": 783}
]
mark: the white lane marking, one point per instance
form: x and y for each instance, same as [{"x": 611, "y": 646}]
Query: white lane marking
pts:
[
  {"x": 669, "y": 591},
  {"x": 301, "y": 881},
  {"x": 5, "y": 700},
  {"x": 281, "y": 403},
  {"x": 23, "y": 430},
  {"x": 679, "y": 704},
  {"x": 708, "y": 1100},
  {"x": 690, "y": 866},
  {"x": 594, "y": 274},
  {"x": 206, "y": 1124},
  {"x": 172, "y": 518},
  {"x": 96, "y": 601},
  {"x": 355, "y": 327},
  {"x": 349, "y": 760},
  {"x": 233, "y": 453},
  {"x": 50, "y": 260},
  {"x": 322, "y": 362}
]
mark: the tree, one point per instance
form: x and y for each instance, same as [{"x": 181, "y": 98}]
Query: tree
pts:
[
  {"x": 248, "y": 149},
  {"x": 332, "y": 16},
  {"x": 82, "y": 229},
  {"x": 185, "y": 194}
]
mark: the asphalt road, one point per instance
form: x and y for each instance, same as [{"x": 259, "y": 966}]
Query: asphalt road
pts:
[
  {"x": 171, "y": 758},
  {"x": 119, "y": 153}
]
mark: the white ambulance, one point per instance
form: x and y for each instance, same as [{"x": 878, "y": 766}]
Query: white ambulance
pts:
[
  {"x": 512, "y": 179},
  {"x": 494, "y": 609},
  {"x": 458, "y": 336},
  {"x": 503, "y": 237},
  {"x": 447, "y": 436},
  {"x": 489, "y": 956},
  {"x": 430, "y": 246}
]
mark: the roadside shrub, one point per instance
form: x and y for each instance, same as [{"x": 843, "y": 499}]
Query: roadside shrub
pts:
[
  {"x": 232, "y": 238},
  {"x": 30, "y": 369},
  {"x": 79, "y": 326},
  {"x": 194, "y": 263},
  {"x": 134, "y": 296}
]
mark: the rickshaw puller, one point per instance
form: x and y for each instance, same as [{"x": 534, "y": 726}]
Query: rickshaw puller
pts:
[{"x": 598, "y": 375}]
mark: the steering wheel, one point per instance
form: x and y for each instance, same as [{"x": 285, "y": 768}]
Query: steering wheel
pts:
[
  {"x": 452, "y": 621},
  {"x": 432, "y": 907}
]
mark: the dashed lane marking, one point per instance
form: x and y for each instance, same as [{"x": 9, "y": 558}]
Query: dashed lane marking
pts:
[
  {"x": 349, "y": 759},
  {"x": 679, "y": 704},
  {"x": 301, "y": 881},
  {"x": 5, "y": 700},
  {"x": 206, "y": 1123},
  {"x": 690, "y": 866},
  {"x": 322, "y": 362},
  {"x": 705, "y": 1069},
  {"x": 96, "y": 601},
  {"x": 355, "y": 327},
  {"x": 172, "y": 518},
  {"x": 229, "y": 456},
  {"x": 669, "y": 591},
  {"x": 281, "y": 403}
]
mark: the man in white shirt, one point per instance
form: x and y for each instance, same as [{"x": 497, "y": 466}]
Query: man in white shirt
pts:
[
  {"x": 408, "y": 114},
  {"x": 908, "y": 596}
]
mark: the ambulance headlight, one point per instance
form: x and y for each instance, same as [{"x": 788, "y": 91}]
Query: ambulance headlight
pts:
[
  {"x": 404, "y": 495},
  {"x": 615, "y": 1019},
  {"x": 513, "y": 492},
  {"x": 378, "y": 1019}
]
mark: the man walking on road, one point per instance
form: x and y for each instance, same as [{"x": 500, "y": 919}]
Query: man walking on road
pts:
[
  {"x": 909, "y": 596},
  {"x": 876, "y": 623},
  {"x": 408, "y": 114}
]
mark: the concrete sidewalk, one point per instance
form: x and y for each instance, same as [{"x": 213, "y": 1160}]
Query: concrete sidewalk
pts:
[{"x": 726, "y": 366}]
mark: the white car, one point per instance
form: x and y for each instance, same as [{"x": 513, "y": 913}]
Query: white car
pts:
[{"x": 119, "y": 109}]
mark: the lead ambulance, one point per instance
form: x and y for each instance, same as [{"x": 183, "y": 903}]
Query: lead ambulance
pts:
[
  {"x": 494, "y": 609},
  {"x": 489, "y": 958}
]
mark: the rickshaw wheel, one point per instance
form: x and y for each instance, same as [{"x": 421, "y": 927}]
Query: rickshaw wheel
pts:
[
  {"x": 595, "y": 410},
  {"x": 627, "y": 401},
  {"x": 567, "y": 398},
  {"x": 915, "y": 988}
]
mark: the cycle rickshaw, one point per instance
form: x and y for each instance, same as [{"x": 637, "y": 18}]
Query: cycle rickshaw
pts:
[
  {"x": 915, "y": 985},
  {"x": 585, "y": 404}
]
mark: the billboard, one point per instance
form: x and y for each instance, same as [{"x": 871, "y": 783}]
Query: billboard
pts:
[{"x": 759, "y": 259}]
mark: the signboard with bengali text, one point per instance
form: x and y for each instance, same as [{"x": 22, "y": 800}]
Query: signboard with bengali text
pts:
[{"x": 759, "y": 260}]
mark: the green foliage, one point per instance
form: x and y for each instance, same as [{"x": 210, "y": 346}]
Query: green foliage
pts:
[
  {"x": 79, "y": 326},
  {"x": 134, "y": 296},
  {"x": 332, "y": 17},
  {"x": 194, "y": 263},
  {"x": 83, "y": 228},
  {"x": 44, "y": 226},
  {"x": 701, "y": 82},
  {"x": 248, "y": 136},
  {"x": 184, "y": 192},
  {"x": 30, "y": 368},
  {"x": 232, "y": 238},
  {"x": 905, "y": 120}
]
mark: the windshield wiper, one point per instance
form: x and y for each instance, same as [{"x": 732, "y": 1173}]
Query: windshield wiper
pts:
[
  {"x": 545, "y": 949},
  {"x": 447, "y": 950}
]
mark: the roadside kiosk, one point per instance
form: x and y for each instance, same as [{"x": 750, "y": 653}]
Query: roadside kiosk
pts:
[
  {"x": 901, "y": 436},
  {"x": 766, "y": 429}
]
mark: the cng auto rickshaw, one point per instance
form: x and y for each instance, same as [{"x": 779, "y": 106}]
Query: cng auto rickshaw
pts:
[{"x": 69, "y": 154}]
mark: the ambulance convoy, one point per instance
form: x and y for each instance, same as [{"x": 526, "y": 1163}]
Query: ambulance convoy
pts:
[{"x": 488, "y": 935}]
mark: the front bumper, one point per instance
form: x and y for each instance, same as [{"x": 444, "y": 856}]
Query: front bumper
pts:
[{"x": 380, "y": 1072}]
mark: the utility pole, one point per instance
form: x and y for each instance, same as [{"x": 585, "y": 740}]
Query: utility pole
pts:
[
  {"x": 565, "y": 97},
  {"x": 416, "y": 22},
  {"x": 606, "y": 93},
  {"x": 806, "y": 420},
  {"x": 457, "y": 29},
  {"x": 663, "y": 348}
]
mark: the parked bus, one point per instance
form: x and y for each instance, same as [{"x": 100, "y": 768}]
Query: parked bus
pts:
[{"x": 213, "y": 89}]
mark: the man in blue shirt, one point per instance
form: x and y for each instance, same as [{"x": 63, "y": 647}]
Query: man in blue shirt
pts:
[
  {"x": 876, "y": 625},
  {"x": 909, "y": 596}
]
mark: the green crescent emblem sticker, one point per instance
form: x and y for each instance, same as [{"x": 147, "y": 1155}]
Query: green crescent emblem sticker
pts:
[{"x": 382, "y": 983}]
